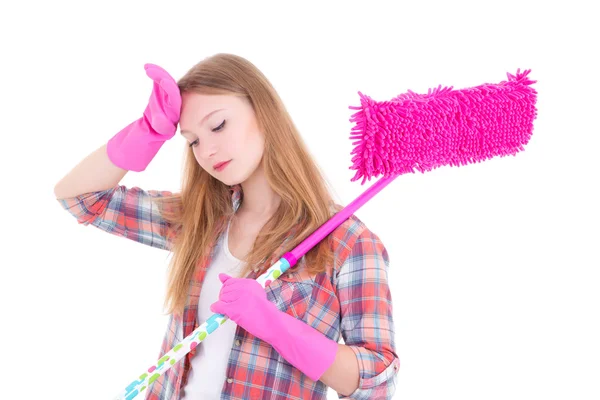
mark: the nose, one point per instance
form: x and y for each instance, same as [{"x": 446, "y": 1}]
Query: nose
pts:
[{"x": 206, "y": 148}]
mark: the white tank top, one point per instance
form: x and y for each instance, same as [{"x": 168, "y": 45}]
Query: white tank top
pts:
[{"x": 209, "y": 364}]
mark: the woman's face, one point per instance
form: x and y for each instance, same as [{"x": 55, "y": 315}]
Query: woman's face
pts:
[{"x": 222, "y": 128}]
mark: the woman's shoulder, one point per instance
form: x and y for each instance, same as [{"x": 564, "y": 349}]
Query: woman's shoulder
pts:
[{"x": 348, "y": 233}]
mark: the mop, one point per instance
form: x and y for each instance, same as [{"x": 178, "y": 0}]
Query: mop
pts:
[{"x": 412, "y": 131}]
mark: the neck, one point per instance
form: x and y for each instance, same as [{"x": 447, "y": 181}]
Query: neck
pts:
[{"x": 260, "y": 201}]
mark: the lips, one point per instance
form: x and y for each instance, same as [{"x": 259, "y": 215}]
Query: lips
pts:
[{"x": 220, "y": 165}]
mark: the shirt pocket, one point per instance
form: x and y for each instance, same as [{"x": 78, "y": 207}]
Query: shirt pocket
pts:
[{"x": 292, "y": 293}]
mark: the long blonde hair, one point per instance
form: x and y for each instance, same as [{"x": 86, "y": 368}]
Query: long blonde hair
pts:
[{"x": 196, "y": 214}]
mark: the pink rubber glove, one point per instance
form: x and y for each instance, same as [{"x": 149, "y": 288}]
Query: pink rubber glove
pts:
[
  {"x": 245, "y": 302},
  {"x": 136, "y": 145}
]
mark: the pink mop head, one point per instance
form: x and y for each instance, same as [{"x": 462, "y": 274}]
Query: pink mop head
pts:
[{"x": 442, "y": 127}]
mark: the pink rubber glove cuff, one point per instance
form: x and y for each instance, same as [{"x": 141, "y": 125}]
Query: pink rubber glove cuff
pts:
[
  {"x": 135, "y": 146},
  {"x": 245, "y": 302},
  {"x": 300, "y": 344}
]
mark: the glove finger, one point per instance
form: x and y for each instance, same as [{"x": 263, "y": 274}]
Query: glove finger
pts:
[
  {"x": 229, "y": 296},
  {"x": 226, "y": 289},
  {"x": 162, "y": 124},
  {"x": 171, "y": 90},
  {"x": 155, "y": 72},
  {"x": 171, "y": 100},
  {"x": 163, "y": 117},
  {"x": 219, "y": 307},
  {"x": 251, "y": 286},
  {"x": 173, "y": 108}
]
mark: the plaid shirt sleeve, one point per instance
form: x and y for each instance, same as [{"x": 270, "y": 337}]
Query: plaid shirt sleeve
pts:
[
  {"x": 125, "y": 212},
  {"x": 367, "y": 325}
]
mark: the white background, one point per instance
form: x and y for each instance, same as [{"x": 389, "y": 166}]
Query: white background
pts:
[{"x": 494, "y": 266}]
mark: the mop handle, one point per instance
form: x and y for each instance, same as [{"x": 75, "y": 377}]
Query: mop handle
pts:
[{"x": 288, "y": 260}]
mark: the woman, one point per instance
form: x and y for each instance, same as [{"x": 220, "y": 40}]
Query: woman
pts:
[{"x": 227, "y": 226}]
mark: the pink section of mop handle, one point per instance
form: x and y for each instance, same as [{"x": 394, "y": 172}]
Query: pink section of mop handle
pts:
[{"x": 328, "y": 227}]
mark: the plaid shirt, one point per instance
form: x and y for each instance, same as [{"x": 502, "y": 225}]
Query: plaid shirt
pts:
[{"x": 351, "y": 299}]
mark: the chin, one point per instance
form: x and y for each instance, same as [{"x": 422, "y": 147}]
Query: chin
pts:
[
  {"x": 229, "y": 180},
  {"x": 232, "y": 177}
]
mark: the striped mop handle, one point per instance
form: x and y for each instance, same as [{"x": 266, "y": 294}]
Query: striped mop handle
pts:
[
  {"x": 288, "y": 260},
  {"x": 192, "y": 340}
]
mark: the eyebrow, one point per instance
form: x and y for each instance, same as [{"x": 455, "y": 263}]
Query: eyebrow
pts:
[{"x": 203, "y": 120}]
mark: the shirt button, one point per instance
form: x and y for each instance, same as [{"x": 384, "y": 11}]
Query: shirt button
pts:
[
  {"x": 229, "y": 380},
  {"x": 237, "y": 342}
]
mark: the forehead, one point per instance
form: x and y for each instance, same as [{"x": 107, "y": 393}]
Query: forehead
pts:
[{"x": 198, "y": 105}]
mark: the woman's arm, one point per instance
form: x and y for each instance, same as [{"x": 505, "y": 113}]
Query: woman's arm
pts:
[
  {"x": 343, "y": 375},
  {"x": 125, "y": 212},
  {"x": 93, "y": 174},
  {"x": 367, "y": 324}
]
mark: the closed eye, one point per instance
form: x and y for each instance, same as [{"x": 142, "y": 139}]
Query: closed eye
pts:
[{"x": 217, "y": 129}]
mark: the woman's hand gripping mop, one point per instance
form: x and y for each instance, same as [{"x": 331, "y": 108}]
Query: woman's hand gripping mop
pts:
[{"x": 444, "y": 127}]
